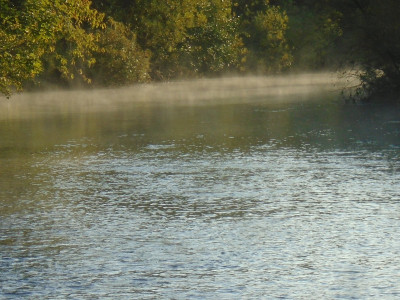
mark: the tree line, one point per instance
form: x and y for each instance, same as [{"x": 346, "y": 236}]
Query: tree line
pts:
[{"x": 118, "y": 42}]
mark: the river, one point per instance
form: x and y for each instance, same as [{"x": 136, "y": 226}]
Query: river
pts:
[{"x": 236, "y": 188}]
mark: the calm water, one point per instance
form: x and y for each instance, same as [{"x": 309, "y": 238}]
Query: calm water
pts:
[{"x": 265, "y": 196}]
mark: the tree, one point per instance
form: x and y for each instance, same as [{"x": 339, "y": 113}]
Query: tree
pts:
[
  {"x": 267, "y": 42},
  {"x": 264, "y": 26},
  {"x": 373, "y": 33},
  {"x": 43, "y": 34},
  {"x": 313, "y": 34},
  {"x": 185, "y": 37},
  {"x": 69, "y": 29},
  {"x": 212, "y": 44},
  {"x": 370, "y": 43},
  {"x": 19, "y": 53},
  {"x": 119, "y": 59}
]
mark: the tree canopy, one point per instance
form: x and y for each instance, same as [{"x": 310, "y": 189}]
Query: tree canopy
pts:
[{"x": 115, "y": 42}]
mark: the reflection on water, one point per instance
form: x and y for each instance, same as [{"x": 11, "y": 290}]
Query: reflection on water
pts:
[{"x": 281, "y": 196}]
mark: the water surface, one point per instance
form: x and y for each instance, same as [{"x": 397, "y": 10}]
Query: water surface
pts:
[{"x": 264, "y": 190}]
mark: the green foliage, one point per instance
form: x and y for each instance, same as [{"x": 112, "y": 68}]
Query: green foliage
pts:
[
  {"x": 267, "y": 42},
  {"x": 119, "y": 59},
  {"x": 246, "y": 10},
  {"x": 313, "y": 33},
  {"x": 371, "y": 39},
  {"x": 68, "y": 29},
  {"x": 19, "y": 53},
  {"x": 186, "y": 37},
  {"x": 118, "y": 42},
  {"x": 59, "y": 33},
  {"x": 212, "y": 44}
]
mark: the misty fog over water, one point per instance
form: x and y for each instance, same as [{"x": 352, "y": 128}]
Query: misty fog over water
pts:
[
  {"x": 194, "y": 92},
  {"x": 230, "y": 188}
]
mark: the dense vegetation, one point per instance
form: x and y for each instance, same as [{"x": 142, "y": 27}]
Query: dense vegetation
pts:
[{"x": 115, "y": 42}]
